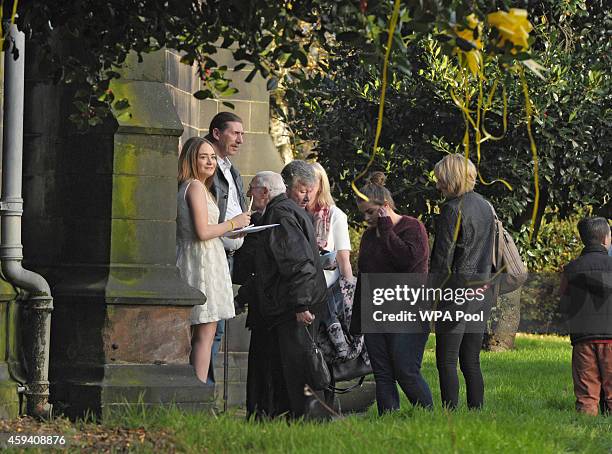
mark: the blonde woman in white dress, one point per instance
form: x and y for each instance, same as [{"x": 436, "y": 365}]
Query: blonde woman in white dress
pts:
[{"x": 200, "y": 255}]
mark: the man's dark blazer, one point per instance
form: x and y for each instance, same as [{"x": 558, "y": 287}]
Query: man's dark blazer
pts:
[{"x": 220, "y": 189}]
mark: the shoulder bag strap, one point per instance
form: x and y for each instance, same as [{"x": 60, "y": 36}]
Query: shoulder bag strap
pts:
[{"x": 498, "y": 234}]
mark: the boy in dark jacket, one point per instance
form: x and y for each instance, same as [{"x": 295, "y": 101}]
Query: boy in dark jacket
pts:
[{"x": 586, "y": 299}]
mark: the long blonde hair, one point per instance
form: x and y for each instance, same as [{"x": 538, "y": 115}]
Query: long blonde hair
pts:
[
  {"x": 188, "y": 160},
  {"x": 455, "y": 176},
  {"x": 323, "y": 197}
]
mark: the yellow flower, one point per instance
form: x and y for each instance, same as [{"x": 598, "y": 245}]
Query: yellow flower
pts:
[
  {"x": 474, "y": 61},
  {"x": 513, "y": 26},
  {"x": 472, "y": 34}
]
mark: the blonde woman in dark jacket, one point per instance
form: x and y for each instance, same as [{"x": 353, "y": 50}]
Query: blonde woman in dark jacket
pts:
[{"x": 461, "y": 258}]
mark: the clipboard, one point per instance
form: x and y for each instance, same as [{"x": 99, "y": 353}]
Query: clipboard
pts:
[{"x": 249, "y": 229}]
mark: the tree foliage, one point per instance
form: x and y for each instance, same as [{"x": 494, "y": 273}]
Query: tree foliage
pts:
[
  {"x": 336, "y": 111},
  {"x": 274, "y": 37},
  {"x": 267, "y": 34},
  {"x": 329, "y": 54}
]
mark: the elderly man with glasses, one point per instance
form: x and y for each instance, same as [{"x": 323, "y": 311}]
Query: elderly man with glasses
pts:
[{"x": 285, "y": 293}]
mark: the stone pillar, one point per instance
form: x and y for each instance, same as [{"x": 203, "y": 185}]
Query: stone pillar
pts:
[
  {"x": 99, "y": 222},
  {"x": 10, "y": 343}
]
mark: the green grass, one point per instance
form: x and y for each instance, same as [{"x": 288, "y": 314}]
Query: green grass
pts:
[{"x": 529, "y": 407}]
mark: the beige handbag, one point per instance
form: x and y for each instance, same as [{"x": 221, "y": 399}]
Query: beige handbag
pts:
[{"x": 507, "y": 262}]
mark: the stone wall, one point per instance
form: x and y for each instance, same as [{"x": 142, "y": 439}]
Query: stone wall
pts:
[
  {"x": 75, "y": 200},
  {"x": 251, "y": 103},
  {"x": 99, "y": 224}
]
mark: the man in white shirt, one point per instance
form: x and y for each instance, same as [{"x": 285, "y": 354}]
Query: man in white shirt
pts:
[{"x": 227, "y": 133}]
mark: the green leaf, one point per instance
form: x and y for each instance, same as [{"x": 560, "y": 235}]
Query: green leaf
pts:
[
  {"x": 229, "y": 91},
  {"x": 265, "y": 41},
  {"x": 290, "y": 61},
  {"x": 229, "y": 104},
  {"x": 302, "y": 57},
  {"x": 188, "y": 59},
  {"x": 94, "y": 121},
  {"x": 251, "y": 75},
  {"x": 124, "y": 116},
  {"x": 203, "y": 94},
  {"x": 121, "y": 104},
  {"x": 272, "y": 84},
  {"x": 221, "y": 85},
  {"x": 80, "y": 105},
  {"x": 348, "y": 37}
]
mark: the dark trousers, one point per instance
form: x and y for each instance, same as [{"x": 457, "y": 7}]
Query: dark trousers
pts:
[
  {"x": 260, "y": 378},
  {"x": 396, "y": 359},
  {"x": 288, "y": 366},
  {"x": 453, "y": 345}
]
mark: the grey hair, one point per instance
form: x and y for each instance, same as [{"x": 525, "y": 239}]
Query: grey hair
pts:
[
  {"x": 272, "y": 181},
  {"x": 299, "y": 172}
]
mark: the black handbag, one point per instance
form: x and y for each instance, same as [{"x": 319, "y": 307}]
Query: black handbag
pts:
[
  {"x": 317, "y": 372},
  {"x": 351, "y": 369}
]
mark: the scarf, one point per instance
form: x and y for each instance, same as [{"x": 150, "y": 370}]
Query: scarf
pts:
[{"x": 322, "y": 222}]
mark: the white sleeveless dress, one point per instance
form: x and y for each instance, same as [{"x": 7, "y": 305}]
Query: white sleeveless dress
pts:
[{"x": 202, "y": 264}]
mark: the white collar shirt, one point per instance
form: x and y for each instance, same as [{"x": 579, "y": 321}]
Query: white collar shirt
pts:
[{"x": 233, "y": 201}]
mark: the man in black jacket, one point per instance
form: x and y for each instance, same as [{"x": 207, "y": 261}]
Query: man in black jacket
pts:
[
  {"x": 288, "y": 291},
  {"x": 227, "y": 133},
  {"x": 259, "y": 392},
  {"x": 586, "y": 299}
]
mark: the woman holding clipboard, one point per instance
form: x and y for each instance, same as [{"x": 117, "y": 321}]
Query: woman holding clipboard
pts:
[{"x": 200, "y": 254}]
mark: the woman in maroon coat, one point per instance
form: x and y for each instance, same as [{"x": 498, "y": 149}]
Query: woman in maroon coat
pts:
[{"x": 392, "y": 244}]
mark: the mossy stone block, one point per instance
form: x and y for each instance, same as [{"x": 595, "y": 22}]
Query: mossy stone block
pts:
[
  {"x": 143, "y": 241},
  {"x": 150, "y": 110},
  {"x": 143, "y": 197},
  {"x": 138, "y": 154}
]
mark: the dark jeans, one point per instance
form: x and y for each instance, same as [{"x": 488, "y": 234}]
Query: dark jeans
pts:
[
  {"x": 454, "y": 345},
  {"x": 334, "y": 306},
  {"x": 396, "y": 359}
]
